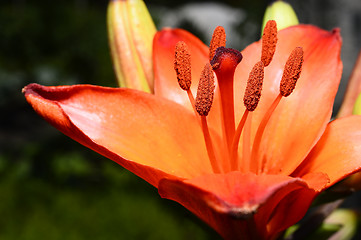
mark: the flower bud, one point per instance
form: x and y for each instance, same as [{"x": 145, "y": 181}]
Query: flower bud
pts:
[
  {"x": 346, "y": 220},
  {"x": 357, "y": 107},
  {"x": 131, "y": 31},
  {"x": 282, "y": 13}
]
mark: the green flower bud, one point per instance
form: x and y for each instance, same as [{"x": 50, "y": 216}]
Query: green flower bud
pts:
[
  {"x": 131, "y": 31},
  {"x": 357, "y": 107},
  {"x": 282, "y": 13}
]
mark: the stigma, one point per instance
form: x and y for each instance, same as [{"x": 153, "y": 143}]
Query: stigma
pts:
[{"x": 222, "y": 63}]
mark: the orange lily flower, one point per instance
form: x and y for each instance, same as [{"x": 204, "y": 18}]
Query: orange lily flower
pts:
[{"x": 189, "y": 148}]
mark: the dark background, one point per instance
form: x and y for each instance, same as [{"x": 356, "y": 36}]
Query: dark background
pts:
[{"x": 54, "y": 188}]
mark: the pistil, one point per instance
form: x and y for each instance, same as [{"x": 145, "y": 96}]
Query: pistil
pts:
[{"x": 224, "y": 64}]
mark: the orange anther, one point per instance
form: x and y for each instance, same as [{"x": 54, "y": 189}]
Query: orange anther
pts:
[
  {"x": 205, "y": 91},
  {"x": 182, "y": 65},
  {"x": 269, "y": 42},
  {"x": 254, "y": 87},
  {"x": 291, "y": 72},
  {"x": 218, "y": 40}
]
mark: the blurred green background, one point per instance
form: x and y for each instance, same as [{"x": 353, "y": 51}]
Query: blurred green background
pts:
[{"x": 54, "y": 188}]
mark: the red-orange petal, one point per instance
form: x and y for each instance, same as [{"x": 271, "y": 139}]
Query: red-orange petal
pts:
[
  {"x": 242, "y": 206},
  {"x": 165, "y": 79},
  {"x": 338, "y": 153},
  {"x": 300, "y": 119},
  {"x": 152, "y": 137}
]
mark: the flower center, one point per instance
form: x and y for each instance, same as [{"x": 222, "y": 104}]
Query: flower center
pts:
[{"x": 223, "y": 62}]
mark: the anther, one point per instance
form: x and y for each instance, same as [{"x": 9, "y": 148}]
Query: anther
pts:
[
  {"x": 269, "y": 42},
  {"x": 182, "y": 65},
  {"x": 205, "y": 91},
  {"x": 218, "y": 40},
  {"x": 291, "y": 72},
  {"x": 254, "y": 87}
]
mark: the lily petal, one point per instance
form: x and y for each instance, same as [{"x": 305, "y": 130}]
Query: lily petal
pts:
[
  {"x": 229, "y": 202},
  {"x": 165, "y": 79},
  {"x": 300, "y": 119},
  {"x": 152, "y": 137},
  {"x": 338, "y": 153}
]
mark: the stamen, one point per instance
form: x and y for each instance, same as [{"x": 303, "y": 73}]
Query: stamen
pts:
[
  {"x": 254, "y": 87},
  {"x": 246, "y": 145},
  {"x": 291, "y": 72},
  {"x": 205, "y": 91},
  {"x": 257, "y": 139},
  {"x": 182, "y": 65},
  {"x": 203, "y": 105},
  {"x": 234, "y": 149},
  {"x": 269, "y": 42},
  {"x": 224, "y": 65},
  {"x": 251, "y": 98},
  {"x": 209, "y": 146},
  {"x": 218, "y": 40}
]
